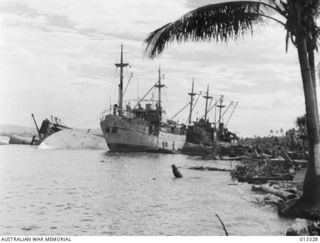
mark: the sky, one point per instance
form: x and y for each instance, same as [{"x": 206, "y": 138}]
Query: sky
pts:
[{"x": 57, "y": 58}]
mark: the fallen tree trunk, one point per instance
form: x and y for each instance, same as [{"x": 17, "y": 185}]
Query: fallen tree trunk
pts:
[
  {"x": 273, "y": 199},
  {"x": 268, "y": 189}
]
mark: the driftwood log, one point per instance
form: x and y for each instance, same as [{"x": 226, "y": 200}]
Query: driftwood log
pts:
[
  {"x": 270, "y": 198},
  {"x": 280, "y": 193}
]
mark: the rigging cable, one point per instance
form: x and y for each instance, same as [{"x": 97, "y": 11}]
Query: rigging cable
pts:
[
  {"x": 235, "y": 106},
  {"x": 227, "y": 109},
  {"x": 124, "y": 92},
  {"x": 180, "y": 110},
  {"x": 210, "y": 109},
  {"x": 146, "y": 94}
]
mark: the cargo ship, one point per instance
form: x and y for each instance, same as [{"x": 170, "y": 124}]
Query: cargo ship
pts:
[
  {"x": 141, "y": 129},
  {"x": 203, "y": 136}
]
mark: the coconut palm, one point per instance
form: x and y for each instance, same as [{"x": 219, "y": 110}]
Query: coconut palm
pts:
[
  {"x": 301, "y": 122},
  {"x": 221, "y": 22}
]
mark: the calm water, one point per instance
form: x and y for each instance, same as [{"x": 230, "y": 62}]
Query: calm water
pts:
[{"x": 90, "y": 192}]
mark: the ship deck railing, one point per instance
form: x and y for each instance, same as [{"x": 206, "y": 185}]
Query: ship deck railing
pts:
[{"x": 104, "y": 113}]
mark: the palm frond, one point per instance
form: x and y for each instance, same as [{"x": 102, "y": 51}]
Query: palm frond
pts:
[
  {"x": 219, "y": 22},
  {"x": 302, "y": 19}
]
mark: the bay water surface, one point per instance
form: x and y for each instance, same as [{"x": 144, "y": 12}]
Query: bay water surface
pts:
[{"x": 92, "y": 192}]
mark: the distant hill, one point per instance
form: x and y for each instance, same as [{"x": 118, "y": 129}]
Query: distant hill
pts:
[{"x": 8, "y": 130}]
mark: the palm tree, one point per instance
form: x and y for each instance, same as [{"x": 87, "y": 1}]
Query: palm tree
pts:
[
  {"x": 301, "y": 122},
  {"x": 271, "y": 131},
  {"x": 223, "y": 21}
]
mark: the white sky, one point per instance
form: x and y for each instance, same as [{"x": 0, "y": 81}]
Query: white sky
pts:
[{"x": 57, "y": 57}]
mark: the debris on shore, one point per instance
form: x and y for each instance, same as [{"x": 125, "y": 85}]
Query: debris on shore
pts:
[
  {"x": 281, "y": 195},
  {"x": 259, "y": 171},
  {"x": 303, "y": 227},
  {"x": 260, "y": 167},
  {"x": 277, "y": 193}
]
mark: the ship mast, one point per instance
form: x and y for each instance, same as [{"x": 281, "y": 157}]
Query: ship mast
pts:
[
  {"x": 191, "y": 101},
  {"x": 220, "y": 108},
  {"x": 159, "y": 86},
  {"x": 207, "y": 97},
  {"x": 36, "y": 125},
  {"x": 121, "y": 65}
]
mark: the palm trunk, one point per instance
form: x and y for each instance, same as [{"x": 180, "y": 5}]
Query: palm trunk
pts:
[
  {"x": 312, "y": 66},
  {"x": 311, "y": 187},
  {"x": 313, "y": 71},
  {"x": 309, "y": 205}
]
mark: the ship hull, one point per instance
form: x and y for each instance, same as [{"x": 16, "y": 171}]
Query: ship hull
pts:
[{"x": 132, "y": 135}]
